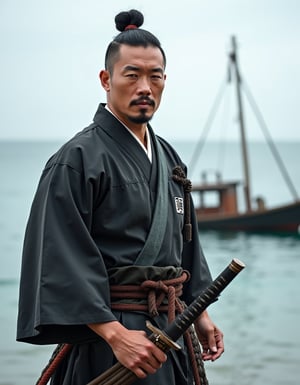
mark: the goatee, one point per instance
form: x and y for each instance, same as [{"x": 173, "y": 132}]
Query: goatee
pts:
[{"x": 142, "y": 118}]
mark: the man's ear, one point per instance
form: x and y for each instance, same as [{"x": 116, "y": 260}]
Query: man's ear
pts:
[{"x": 104, "y": 77}]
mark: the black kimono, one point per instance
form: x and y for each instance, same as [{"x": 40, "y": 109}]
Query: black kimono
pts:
[{"x": 91, "y": 213}]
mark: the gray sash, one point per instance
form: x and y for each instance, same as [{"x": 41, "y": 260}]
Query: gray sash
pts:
[{"x": 153, "y": 243}]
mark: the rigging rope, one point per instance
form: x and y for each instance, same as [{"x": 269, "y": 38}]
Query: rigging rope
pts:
[
  {"x": 270, "y": 141},
  {"x": 224, "y": 126},
  {"x": 201, "y": 141}
]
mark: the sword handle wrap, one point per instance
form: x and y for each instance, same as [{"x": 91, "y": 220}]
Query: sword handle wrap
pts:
[{"x": 209, "y": 295}]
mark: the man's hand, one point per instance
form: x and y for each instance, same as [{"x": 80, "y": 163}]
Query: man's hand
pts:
[
  {"x": 210, "y": 337},
  {"x": 132, "y": 348}
]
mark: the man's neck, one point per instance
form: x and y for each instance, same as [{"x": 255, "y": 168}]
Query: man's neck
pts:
[{"x": 139, "y": 130}]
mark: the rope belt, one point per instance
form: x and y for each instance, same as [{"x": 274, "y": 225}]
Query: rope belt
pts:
[
  {"x": 154, "y": 294},
  {"x": 151, "y": 297}
]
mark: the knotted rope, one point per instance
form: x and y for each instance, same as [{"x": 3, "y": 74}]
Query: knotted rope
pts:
[
  {"x": 155, "y": 292},
  {"x": 180, "y": 177}
]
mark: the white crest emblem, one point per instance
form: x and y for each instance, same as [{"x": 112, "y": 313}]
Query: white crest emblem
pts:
[{"x": 179, "y": 205}]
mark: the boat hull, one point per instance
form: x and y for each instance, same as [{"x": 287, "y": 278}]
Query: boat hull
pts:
[{"x": 282, "y": 219}]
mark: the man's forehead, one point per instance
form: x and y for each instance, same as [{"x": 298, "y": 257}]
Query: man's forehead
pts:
[{"x": 135, "y": 55}]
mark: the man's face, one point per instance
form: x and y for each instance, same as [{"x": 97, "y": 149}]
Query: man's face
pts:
[{"x": 136, "y": 84}]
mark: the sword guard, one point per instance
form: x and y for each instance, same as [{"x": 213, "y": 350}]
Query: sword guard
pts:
[{"x": 160, "y": 339}]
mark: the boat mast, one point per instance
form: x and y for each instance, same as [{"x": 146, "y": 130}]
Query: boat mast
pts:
[{"x": 234, "y": 65}]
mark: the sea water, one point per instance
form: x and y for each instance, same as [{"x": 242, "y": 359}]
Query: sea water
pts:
[{"x": 259, "y": 312}]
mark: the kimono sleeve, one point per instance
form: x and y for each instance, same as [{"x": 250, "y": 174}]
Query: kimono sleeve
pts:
[{"x": 64, "y": 283}]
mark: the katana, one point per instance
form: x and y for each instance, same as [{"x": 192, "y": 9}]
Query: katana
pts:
[{"x": 166, "y": 339}]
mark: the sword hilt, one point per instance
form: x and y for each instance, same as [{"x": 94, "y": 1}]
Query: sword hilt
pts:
[
  {"x": 160, "y": 339},
  {"x": 165, "y": 339}
]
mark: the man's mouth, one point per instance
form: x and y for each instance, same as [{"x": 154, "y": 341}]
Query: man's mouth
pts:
[{"x": 143, "y": 102}]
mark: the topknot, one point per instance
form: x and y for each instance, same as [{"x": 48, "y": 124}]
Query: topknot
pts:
[
  {"x": 132, "y": 17},
  {"x": 128, "y": 24}
]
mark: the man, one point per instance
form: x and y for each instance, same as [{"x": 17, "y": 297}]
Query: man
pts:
[{"x": 108, "y": 213}]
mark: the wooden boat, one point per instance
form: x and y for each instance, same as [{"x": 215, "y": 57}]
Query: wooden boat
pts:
[{"x": 225, "y": 215}]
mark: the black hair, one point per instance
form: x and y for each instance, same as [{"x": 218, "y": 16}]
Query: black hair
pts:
[{"x": 133, "y": 36}]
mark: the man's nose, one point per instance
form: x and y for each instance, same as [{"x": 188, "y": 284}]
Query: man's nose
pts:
[{"x": 144, "y": 86}]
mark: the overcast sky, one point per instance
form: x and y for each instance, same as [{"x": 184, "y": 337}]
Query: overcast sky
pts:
[{"x": 52, "y": 51}]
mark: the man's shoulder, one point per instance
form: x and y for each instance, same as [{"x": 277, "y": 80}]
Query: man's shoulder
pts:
[{"x": 79, "y": 150}]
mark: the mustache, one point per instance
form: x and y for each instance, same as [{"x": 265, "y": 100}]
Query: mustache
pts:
[{"x": 143, "y": 99}]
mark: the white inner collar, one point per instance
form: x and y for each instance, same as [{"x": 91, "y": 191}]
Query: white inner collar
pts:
[{"x": 147, "y": 150}]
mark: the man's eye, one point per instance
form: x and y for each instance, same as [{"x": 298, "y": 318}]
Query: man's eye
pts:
[{"x": 132, "y": 76}]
